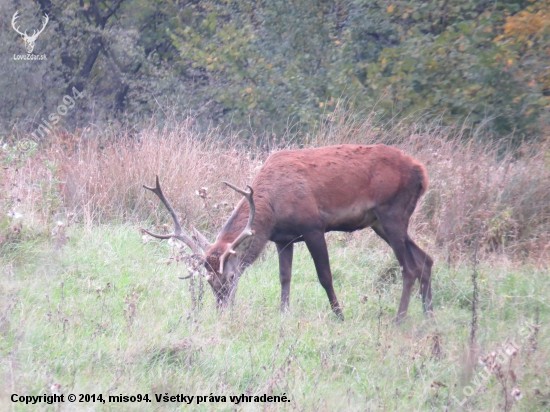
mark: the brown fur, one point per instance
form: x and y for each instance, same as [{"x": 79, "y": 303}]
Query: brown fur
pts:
[{"x": 301, "y": 194}]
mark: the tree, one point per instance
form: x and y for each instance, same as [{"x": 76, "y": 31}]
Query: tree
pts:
[{"x": 262, "y": 65}]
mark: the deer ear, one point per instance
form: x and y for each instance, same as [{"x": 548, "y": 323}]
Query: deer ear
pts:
[
  {"x": 223, "y": 258},
  {"x": 238, "y": 250},
  {"x": 201, "y": 239},
  {"x": 244, "y": 245}
]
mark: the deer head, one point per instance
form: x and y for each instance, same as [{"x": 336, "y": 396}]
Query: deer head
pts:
[
  {"x": 29, "y": 40},
  {"x": 222, "y": 260}
]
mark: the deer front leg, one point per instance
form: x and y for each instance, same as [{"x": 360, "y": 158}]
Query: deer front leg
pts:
[
  {"x": 285, "y": 251},
  {"x": 317, "y": 246}
]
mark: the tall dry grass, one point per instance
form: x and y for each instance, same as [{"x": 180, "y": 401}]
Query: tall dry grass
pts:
[{"x": 479, "y": 196}]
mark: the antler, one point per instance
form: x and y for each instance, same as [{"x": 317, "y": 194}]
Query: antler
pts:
[
  {"x": 13, "y": 21},
  {"x": 46, "y": 20},
  {"x": 178, "y": 231},
  {"x": 247, "y": 231},
  {"x": 35, "y": 33}
]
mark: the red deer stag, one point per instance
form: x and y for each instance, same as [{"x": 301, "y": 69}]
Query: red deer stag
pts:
[{"x": 298, "y": 195}]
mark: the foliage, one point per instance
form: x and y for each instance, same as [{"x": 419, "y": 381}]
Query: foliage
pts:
[{"x": 264, "y": 65}]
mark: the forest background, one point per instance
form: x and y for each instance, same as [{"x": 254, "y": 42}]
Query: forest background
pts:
[{"x": 278, "y": 66}]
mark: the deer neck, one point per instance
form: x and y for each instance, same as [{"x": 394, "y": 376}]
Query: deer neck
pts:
[{"x": 262, "y": 228}]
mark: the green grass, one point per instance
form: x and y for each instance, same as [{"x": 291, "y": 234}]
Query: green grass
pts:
[{"x": 104, "y": 313}]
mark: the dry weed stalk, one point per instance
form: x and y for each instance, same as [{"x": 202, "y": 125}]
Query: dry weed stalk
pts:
[
  {"x": 505, "y": 376},
  {"x": 533, "y": 339},
  {"x": 473, "y": 324},
  {"x": 131, "y": 307}
]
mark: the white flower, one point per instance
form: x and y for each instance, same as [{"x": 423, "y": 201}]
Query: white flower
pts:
[
  {"x": 511, "y": 351},
  {"x": 15, "y": 215},
  {"x": 55, "y": 388},
  {"x": 516, "y": 393}
]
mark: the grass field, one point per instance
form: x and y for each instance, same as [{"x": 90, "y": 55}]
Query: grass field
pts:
[
  {"x": 88, "y": 306},
  {"x": 105, "y": 313}
]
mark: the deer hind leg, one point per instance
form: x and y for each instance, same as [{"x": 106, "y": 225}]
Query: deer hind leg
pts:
[
  {"x": 285, "y": 251},
  {"x": 317, "y": 247},
  {"x": 423, "y": 268},
  {"x": 394, "y": 232}
]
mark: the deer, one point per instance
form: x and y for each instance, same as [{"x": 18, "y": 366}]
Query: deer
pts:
[{"x": 298, "y": 196}]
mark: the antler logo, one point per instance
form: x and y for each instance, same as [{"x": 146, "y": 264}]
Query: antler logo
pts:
[{"x": 29, "y": 40}]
